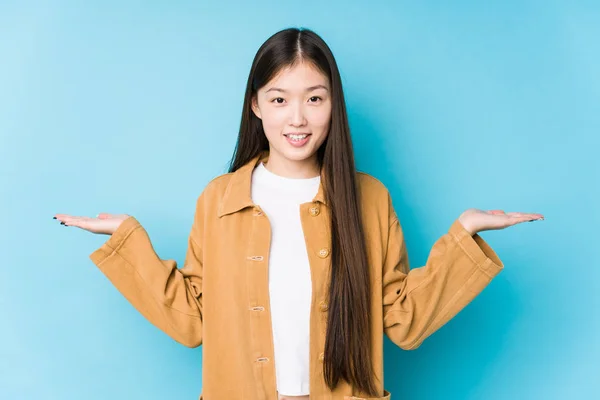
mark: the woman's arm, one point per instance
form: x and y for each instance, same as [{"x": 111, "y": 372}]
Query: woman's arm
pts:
[
  {"x": 418, "y": 302},
  {"x": 170, "y": 298}
]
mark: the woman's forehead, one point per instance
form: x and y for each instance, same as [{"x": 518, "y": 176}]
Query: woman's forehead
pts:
[{"x": 299, "y": 78}]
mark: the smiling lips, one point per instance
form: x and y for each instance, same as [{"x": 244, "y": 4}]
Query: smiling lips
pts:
[{"x": 297, "y": 139}]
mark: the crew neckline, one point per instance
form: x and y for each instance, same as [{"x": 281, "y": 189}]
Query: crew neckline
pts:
[{"x": 273, "y": 178}]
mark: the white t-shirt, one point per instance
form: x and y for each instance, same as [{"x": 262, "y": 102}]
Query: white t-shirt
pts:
[{"x": 290, "y": 287}]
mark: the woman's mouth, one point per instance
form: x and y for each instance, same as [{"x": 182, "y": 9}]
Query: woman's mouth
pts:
[{"x": 297, "y": 139}]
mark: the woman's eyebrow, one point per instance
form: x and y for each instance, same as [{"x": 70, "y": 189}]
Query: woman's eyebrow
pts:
[{"x": 310, "y": 89}]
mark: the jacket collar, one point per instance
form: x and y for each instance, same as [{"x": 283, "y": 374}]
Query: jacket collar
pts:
[{"x": 238, "y": 194}]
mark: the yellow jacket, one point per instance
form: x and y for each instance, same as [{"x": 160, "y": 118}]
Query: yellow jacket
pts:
[{"x": 220, "y": 297}]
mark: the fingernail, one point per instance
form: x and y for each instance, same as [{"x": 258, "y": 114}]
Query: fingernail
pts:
[
  {"x": 62, "y": 223},
  {"x": 53, "y": 217}
]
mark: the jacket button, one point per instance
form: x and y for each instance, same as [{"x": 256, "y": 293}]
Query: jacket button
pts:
[
  {"x": 321, "y": 357},
  {"x": 323, "y": 253},
  {"x": 323, "y": 306},
  {"x": 314, "y": 211}
]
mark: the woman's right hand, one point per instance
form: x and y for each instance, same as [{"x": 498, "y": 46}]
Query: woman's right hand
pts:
[{"x": 104, "y": 223}]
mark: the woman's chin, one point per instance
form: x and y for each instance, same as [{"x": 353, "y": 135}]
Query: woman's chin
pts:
[{"x": 299, "y": 154}]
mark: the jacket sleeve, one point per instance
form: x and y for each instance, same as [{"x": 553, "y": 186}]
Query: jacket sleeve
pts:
[
  {"x": 170, "y": 298},
  {"x": 418, "y": 301}
]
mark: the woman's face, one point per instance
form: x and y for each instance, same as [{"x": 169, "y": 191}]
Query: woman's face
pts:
[{"x": 296, "y": 101}]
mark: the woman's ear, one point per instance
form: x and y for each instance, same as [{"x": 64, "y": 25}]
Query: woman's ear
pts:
[{"x": 255, "y": 108}]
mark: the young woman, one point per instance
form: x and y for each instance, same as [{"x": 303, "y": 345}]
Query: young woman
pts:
[{"x": 296, "y": 263}]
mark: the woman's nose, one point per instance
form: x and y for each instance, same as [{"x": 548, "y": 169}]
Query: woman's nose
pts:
[{"x": 297, "y": 117}]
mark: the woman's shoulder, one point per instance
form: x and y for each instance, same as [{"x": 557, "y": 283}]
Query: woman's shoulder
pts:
[
  {"x": 218, "y": 184},
  {"x": 371, "y": 187},
  {"x": 376, "y": 200},
  {"x": 213, "y": 191}
]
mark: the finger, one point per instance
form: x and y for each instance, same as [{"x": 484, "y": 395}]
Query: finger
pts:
[
  {"x": 535, "y": 217},
  {"x": 74, "y": 221},
  {"x": 529, "y": 216},
  {"x": 523, "y": 215},
  {"x": 73, "y": 217},
  {"x": 526, "y": 218},
  {"x": 61, "y": 216},
  {"x": 517, "y": 218},
  {"x": 80, "y": 222},
  {"x": 526, "y": 213},
  {"x": 85, "y": 223},
  {"x": 65, "y": 216}
]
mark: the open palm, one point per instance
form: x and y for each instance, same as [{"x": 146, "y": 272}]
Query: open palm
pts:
[
  {"x": 475, "y": 220},
  {"x": 103, "y": 223}
]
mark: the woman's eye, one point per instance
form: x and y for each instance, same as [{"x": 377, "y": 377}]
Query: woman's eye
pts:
[{"x": 313, "y": 99}]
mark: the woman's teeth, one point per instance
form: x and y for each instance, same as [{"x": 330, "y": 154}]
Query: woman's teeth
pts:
[
  {"x": 297, "y": 140},
  {"x": 297, "y": 137}
]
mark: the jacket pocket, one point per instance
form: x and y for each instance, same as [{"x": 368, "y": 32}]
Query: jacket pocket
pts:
[{"x": 386, "y": 396}]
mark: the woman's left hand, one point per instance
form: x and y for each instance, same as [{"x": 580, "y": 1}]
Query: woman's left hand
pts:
[{"x": 475, "y": 220}]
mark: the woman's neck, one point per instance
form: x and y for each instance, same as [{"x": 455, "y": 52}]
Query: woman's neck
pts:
[{"x": 296, "y": 169}]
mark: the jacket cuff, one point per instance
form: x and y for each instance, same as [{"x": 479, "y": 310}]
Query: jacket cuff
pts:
[
  {"x": 477, "y": 249},
  {"x": 115, "y": 241}
]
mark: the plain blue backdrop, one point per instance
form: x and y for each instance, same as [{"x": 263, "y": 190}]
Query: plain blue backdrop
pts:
[{"x": 133, "y": 107}]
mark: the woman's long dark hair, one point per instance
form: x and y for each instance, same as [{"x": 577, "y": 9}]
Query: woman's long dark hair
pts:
[{"x": 348, "y": 341}]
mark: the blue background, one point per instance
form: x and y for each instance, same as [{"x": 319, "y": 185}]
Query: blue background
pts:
[{"x": 132, "y": 107}]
